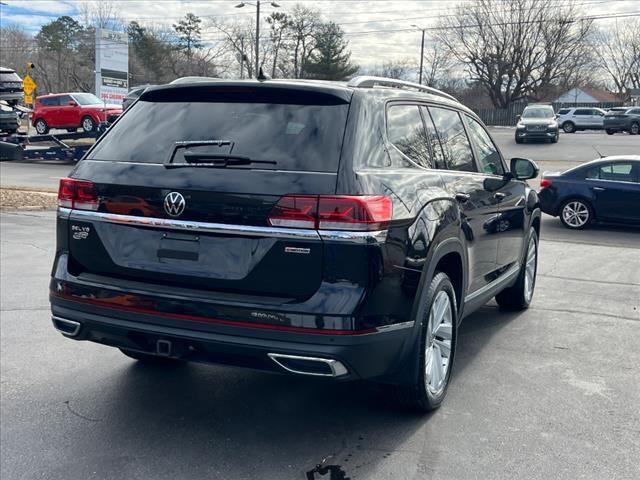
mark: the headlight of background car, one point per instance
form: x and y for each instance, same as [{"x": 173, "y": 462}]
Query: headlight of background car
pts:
[
  {"x": 552, "y": 125},
  {"x": 520, "y": 125}
]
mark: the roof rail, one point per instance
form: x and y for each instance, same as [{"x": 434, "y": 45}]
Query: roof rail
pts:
[{"x": 365, "y": 81}]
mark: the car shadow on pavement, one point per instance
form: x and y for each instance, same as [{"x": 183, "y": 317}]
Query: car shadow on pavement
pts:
[{"x": 200, "y": 421}]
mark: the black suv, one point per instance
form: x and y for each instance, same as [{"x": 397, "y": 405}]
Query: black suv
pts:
[{"x": 316, "y": 228}]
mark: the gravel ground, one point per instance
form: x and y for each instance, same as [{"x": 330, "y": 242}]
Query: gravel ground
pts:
[{"x": 18, "y": 199}]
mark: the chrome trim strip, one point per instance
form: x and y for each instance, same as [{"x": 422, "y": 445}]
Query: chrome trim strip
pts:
[
  {"x": 76, "y": 326},
  {"x": 337, "y": 368},
  {"x": 504, "y": 278},
  {"x": 379, "y": 236},
  {"x": 395, "y": 326},
  {"x": 172, "y": 224},
  {"x": 221, "y": 228}
]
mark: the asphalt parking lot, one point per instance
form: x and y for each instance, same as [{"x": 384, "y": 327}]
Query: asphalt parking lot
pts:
[{"x": 552, "y": 392}]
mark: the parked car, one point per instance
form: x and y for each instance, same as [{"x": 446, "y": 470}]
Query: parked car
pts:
[
  {"x": 11, "y": 88},
  {"x": 572, "y": 120},
  {"x": 625, "y": 121},
  {"x": 310, "y": 228},
  {"x": 537, "y": 122},
  {"x": 71, "y": 111},
  {"x": 9, "y": 119},
  {"x": 133, "y": 95},
  {"x": 606, "y": 190}
]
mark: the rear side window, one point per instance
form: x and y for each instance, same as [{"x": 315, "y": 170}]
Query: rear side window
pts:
[
  {"x": 488, "y": 155},
  {"x": 564, "y": 111},
  {"x": 50, "y": 101},
  {"x": 613, "y": 172},
  {"x": 406, "y": 131},
  {"x": 583, "y": 111},
  {"x": 303, "y": 136},
  {"x": 455, "y": 144}
]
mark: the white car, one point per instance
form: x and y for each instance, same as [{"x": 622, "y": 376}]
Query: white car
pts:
[{"x": 581, "y": 118}]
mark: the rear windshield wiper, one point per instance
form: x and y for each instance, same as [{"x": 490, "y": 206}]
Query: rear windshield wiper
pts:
[
  {"x": 208, "y": 159},
  {"x": 216, "y": 160}
]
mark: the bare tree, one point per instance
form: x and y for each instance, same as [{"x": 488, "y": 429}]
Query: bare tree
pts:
[
  {"x": 16, "y": 48},
  {"x": 618, "y": 54},
  {"x": 436, "y": 64},
  {"x": 403, "y": 69},
  {"x": 516, "y": 49}
]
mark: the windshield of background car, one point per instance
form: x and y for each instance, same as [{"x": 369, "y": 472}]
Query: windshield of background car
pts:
[
  {"x": 9, "y": 77},
  {"x": 538, "y": 113},
  {"x": 305, "y": 135},
  {"x": 87, "y": 99}
]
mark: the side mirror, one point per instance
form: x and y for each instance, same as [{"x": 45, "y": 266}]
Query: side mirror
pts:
[
  {"x": 72, "y": 103},
  {"x": 557, "y": 115},
  {"x": 523, "y": 169},
  {"x": 518, "y": 117}
]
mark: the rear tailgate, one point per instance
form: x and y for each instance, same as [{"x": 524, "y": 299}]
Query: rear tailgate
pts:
[{"x": 204, "y": 223}]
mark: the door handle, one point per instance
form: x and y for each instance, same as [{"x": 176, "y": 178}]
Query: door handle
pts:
[
  {"x": 462, "y": 197},
  {"x": 598, "y": 189},
  {"x": 499, "y": 195}
]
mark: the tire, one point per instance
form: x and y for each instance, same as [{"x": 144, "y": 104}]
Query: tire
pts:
[
  {"x": 41, "y": 127},
  {"x": 518, "y": 140},
  {"x": 438, "y": 333},
  {"x": 576, "y": 214},
  {"x": 519, "y": 296},
  {"x": 150, "y": 359},
  {"x": 610, "y": 131},
  {"x": 556, "y": 138},
  {"x": 635, "y": 128},
  {"x": 87, "y": 124},
  {"x": 568, "y": 127}
]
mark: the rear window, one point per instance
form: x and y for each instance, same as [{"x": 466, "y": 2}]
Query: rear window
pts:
[
  {"x": 9, "y": 77},
  {"x": 289, "y": 130}
]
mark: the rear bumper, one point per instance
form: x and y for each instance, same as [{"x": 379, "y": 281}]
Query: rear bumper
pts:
[{"x": 345, "y": 358}]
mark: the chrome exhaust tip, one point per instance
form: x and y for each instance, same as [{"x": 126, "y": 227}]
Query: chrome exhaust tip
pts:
[
  {"x": 69, "y": 328},
  {"x": 317, "y": 367}
]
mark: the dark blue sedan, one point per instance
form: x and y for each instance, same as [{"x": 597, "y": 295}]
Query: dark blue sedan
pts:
[{"x": 604, "y": 190}]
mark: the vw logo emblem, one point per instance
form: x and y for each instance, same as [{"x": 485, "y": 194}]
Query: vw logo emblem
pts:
[{"x": 174, "y": 204}]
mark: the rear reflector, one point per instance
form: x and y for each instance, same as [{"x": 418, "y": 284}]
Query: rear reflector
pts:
[
  {"x": 78, "y": 194},
  {"x": 339, "y": 212},
  {"x": 545, "y": 182},
  {"x": 295, "y": 212}
]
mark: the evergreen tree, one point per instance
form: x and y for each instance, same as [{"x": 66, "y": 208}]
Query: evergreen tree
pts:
[
  {"x": 189, "y": 34},
  {"x": 331, "y": 57}
]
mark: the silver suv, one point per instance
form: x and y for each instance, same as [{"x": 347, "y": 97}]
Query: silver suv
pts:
[{"x": 581, "y": 118}]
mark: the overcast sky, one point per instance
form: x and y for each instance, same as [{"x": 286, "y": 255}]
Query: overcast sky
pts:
[{"x": 367, "y": 23}]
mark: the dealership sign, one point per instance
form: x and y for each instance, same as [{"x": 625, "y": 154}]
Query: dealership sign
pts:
[{"x": 112, "y": 65}]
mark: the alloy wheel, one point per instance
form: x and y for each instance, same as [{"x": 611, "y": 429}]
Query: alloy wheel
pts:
[
  {"x": 575, "y": 214},
  {"x": 635, "y": 128},
  {"x": 530, "y": 269},
  {"x": 438, "y": 344},
  {"x": 87, "y": 124}
]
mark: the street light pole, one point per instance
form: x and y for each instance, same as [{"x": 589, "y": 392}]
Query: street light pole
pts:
[
  {"x": 421, "y": 50},
  {"x": 421, "y": 57},
  {"x": 257, "y": 5},
  {"x": 257, "y": 37}
]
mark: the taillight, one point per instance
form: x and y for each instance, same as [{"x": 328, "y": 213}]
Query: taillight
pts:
[
  {"x": 340, "y": 212},
  {"x": 78, "y": 194},
  {"x": 354, "y": 213},
  {"x": 545, "y": 182}
]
